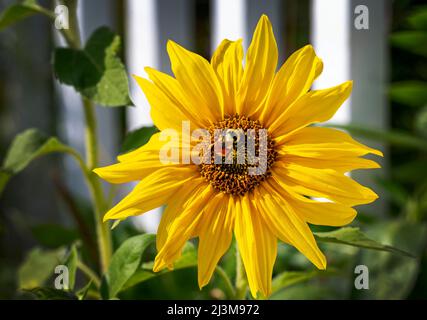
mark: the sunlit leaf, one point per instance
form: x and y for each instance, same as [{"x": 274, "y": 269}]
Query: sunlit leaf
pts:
[
  {"x": 125, "y": 261},
  {"x": 71, "y": 264},
  {"x": 354, "y": 237},
  {"x": 26, "y": 147},
  {"x": 39, "y": 266},
  {"x": 96, "y": 71}
]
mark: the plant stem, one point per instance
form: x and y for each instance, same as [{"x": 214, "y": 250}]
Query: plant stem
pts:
[
  {"x": 89, "y": 273},
  {"x": 102, "y": 229},
  {"x": 231, "y": 293},
  {"x": 72, "y": 37},
  {"x": 241, "y": 281}
]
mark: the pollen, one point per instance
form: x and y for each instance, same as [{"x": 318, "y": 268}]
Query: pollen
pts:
[{"x": 232, "y": 168}]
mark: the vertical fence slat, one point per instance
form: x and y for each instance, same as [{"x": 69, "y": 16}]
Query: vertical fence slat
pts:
[
  {"x": 150, "y": 24},
  {"x": 228, "y": 21},
  {"x": 368, "y": 67},
  {"x": 358, "y": 55},
  {"x": 330, "y": 36}
]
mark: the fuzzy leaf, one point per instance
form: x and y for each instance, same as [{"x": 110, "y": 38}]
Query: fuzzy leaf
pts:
[{"x": 96, "y": 72}]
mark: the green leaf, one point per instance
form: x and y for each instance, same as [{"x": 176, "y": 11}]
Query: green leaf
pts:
[
  {"x": 188, "y": 259},
  {"x": 137, "y": 138},
  {"x": 82, "y": 293},
  {"x": 289, "y": 278},
  {"x": 54, "y": 236},
  {"x": 356, "y": 238},
  {"x": 18, "y": 12},
  {"x": 71, "y": 263},
  {"x": 411, "y": 93},
  {"x": 125, "y": 261},
  {"x": 46, "y": 293},
  {"x": 397, "y": 138},
  {"x": 412, "y": 41},
  {"x": 392, "y": 277},
  {"x": 38, "y": 266},
  {"x": 96, "y": 71},
  {"x": 418, "y": 19},
  {"x": 26, "y": 147}
]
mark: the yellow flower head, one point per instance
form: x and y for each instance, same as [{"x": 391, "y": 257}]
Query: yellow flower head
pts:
[{"x": 212, "y": 200}]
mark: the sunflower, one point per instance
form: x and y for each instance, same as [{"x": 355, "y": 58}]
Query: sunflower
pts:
[{"x": 214, "y": 201}]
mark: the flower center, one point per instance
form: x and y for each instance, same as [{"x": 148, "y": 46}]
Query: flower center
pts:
[{"x": 241, "y": 155}]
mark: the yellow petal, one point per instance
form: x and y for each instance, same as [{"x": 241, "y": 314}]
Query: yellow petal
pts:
[
  {"x": 198, "y": 80},
  {"x": 287, "y": 225},
  {"x": 318, "y": 142},
  {"x": 152, "y": 150},
  {"x": 152, "y": 147},
  {"x": 325, "y": 183},
  {"x": 315, "y": 106},
  {"x": 215, "y": 234},
  {"x": 174, "y": 93},
  {"x": 293, "y": 80},
  {"x": 257, "y": 246},
  {"x": 124, "y": 172},
  {"x": 316, "y": 212},
  {"x": 227, "y": 63},
  {"x": 153, "y": 191},
  {"x": 164, "y": 112},
  {"x": 183, "y": 228},
  {"x": 342, "y": 164},
  {"x": 175, "y": 206},
  {"x": 261, "y": 63}
]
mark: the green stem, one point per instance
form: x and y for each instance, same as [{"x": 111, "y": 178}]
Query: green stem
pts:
[
  {"x": 89, "y": 273},
  {"x": 72, "y": 37},
  {"x": 102, "y": 229},
  {"x": 230, "y": 292},
  {"x": 241, "y": 281}
]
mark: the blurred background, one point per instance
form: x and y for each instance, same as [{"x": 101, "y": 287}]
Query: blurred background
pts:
[{"x": 47, "y": 206}]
